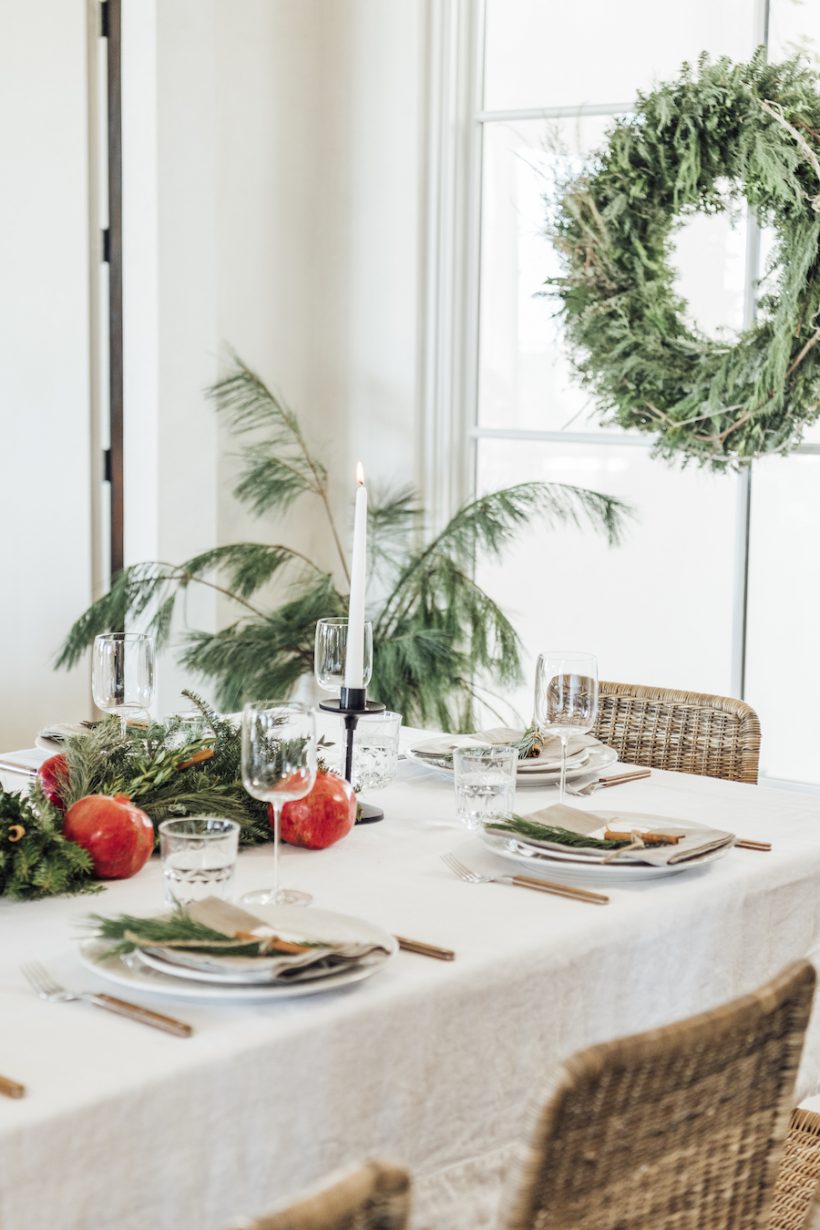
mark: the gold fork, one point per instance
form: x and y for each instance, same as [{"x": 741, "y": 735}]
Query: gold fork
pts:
[{"x": 542, "y": 886}]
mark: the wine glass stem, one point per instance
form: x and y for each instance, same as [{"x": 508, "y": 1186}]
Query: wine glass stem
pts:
[
  {"x": 277, "y": 814},
  {"x": 124, "y": 725},
  {"x": 561, "y": 792}
]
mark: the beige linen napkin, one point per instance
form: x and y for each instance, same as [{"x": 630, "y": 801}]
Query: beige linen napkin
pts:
[
  {"x": 235, "y": 923},
  {"x": 501, "y": 736},
  {"x": 696, "y": 841}
]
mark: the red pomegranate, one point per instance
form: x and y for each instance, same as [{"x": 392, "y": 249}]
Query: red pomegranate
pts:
[
  {"x": 118, "y": 836},
  {"x": 322, "y": 817},
  {"x": 53, "y": 774}
]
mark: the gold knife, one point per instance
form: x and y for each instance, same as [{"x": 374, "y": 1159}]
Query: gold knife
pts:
[
  {"x": 425, "y": 950},
  {"x": 560, "y": 890},
  {"x": 123, "y": 1007},
  {"x": 10, "y": 1088},
  {"x": 633, "y": 776}
]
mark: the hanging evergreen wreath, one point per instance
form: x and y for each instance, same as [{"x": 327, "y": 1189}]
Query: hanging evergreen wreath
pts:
[{"x": 700, "y": 144}]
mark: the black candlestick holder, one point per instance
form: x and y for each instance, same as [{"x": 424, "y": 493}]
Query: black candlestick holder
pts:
[{"x": 351, "y": 705}]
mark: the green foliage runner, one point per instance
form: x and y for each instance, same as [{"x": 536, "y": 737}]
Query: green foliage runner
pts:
[
  {"x": 163, "y": 770},
  {"x": 35, "y": 859},
  {"x": 437, "y": 634},
  {"x": 703, "y": 143}
]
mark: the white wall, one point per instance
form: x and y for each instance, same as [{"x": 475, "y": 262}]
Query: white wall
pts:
[
  {"x": 45, "y": 417},
  {"x": 272, "y": 197}
]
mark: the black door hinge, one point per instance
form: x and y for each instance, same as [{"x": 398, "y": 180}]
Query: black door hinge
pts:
[
  {"x": 106, "y": 465},
  {"x": 104, "y": 19},
  {"x": 106, "y": 246}
]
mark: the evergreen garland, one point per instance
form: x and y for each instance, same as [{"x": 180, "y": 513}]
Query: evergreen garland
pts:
[
  {"x": 756, "y": 128},
  {"x": 35, "y": 859}
]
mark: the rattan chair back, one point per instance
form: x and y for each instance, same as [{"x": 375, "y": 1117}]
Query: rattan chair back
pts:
[
  {"x": 680, "y": 1128},
  {"x": 796, "y": 1205},
  {"x": 374, "y": 1197},
  {"x": 690, "y": 732}
]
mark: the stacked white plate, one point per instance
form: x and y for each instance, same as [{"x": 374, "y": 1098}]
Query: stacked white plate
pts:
[
  {"x": 537, "y": 771},
  {"x": 576, "y": 866},
  {"x": 185, "y": 976}
]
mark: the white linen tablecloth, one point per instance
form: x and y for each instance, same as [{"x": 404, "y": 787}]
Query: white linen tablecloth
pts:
[{"x": 435, "y": 1065}]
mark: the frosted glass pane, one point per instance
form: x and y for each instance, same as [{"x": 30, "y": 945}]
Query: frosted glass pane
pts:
[
  {"x": 542, "y": 53},
  {"x": 783, "y": 663},
  {"x": 525, "y": 379},
  {"x": 657, "y": 610},
  {"x": 794, "y": 25}
]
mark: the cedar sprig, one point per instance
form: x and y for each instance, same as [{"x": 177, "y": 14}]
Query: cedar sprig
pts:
[
  {"x": 35, "y": 859},
  {"x": 520, "y": 826},
  {"x": 440, "y": 639}
]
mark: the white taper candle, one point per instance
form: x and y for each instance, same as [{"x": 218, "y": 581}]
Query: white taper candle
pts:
[{"x": 354, "y": 662}]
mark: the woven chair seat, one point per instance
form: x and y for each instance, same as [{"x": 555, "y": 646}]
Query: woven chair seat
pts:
[
  {"x": 681, "y": 1128},
  {"x": 374, "y": 1197},
  {"x": 799, "y": 1175},
  {"x": 688, "y": 732}
]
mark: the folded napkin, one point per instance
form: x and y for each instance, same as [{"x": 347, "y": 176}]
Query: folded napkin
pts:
[
  {"x": 443, "y": 746},
  {"x": 59, "y": 732},
  {"x": 275, "y": 959},
  {"x": 695, "y": 840}
]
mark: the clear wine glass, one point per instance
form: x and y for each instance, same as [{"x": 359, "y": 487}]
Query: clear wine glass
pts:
[
  {"x": 278, "y": 766},
  {"x": 122, "y": 674},
  {"x": 330, "y": 653},
  {"x": 566, "y": 698}
]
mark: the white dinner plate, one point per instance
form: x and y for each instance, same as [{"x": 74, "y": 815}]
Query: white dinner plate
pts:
[
  {"x": 600, "y": 756},
  {"x": 130, "y": 971},
  {"x": 581, "y": 871}
]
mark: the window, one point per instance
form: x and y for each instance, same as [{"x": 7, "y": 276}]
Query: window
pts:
[{"x": 712, "y": 584}]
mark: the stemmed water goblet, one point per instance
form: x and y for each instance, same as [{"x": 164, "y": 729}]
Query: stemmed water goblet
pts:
[
  {"x": 566, "y": 698},
  {"x": 278, "y": 766},
  {"x": 122, "y": 674}
]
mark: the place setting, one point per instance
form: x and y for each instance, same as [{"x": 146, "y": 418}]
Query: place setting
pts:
[{"x": 562, "y": 842}]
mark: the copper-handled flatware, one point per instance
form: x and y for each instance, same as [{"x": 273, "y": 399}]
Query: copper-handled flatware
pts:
[
  {"x": 11, "y": 766},
  {"x": 47, "y": 988},
  {"x": 425, "y": 950},
  {"x": 745, "y": 843},
  {"x": 10, "y": 1088},
  {"x": 616, "y": 779},
  {"x": 521, "y": 881}
]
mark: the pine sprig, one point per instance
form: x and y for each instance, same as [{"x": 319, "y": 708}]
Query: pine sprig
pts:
[
  {"x": 127, "y": 932},
  {"x": 148, "y": 766},
  {"x": 35, "y": 859},
  {"x": 519, "y": 826},
  {"x": 439, "y": 638}
]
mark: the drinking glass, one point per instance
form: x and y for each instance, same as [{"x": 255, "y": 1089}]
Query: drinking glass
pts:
[
  {"x": 330, "y": 653},
  {"x": 485, "y": 783},
  {"x": 278, "y": 766},
  {"x": 198, "y": 856},
  {"x": 122, "y": 674},
  {"x": 375, "y": 750},
  {"x": 566, "y": 698}
]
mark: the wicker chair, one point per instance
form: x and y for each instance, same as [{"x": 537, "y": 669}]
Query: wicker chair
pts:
[
  {"x": 374, "y": 1197},
  {"x": 680, "y": 1128},
  {"x": 795, "y": 1195},
  {"x": 690, "y": 732}
]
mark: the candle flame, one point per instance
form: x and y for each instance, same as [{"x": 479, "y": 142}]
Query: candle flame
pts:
[{"x": 359, "y": 474}]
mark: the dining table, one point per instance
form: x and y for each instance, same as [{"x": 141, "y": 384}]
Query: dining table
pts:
[{"x": 438, "y": 1065}]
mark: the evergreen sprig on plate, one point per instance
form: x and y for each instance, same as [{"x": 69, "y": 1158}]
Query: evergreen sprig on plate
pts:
[
  {"x": 520, "y": 826},
  {"x": 440, "y": 640}
]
